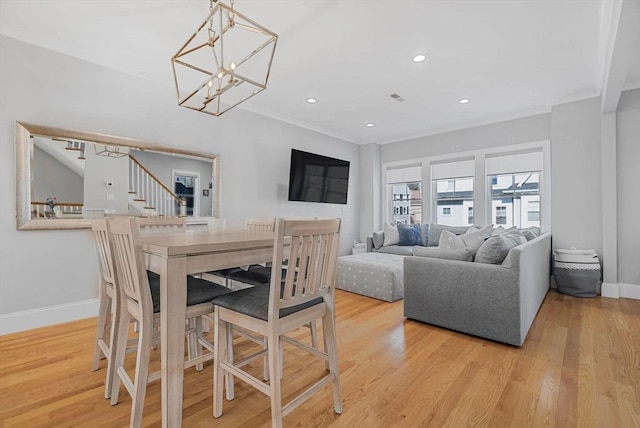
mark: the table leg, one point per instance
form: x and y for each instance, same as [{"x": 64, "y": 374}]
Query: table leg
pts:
[{"x": 173, "y": 288}]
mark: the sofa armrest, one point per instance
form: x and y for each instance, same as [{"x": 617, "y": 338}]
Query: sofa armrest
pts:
[{"x": 474, "y": 298}]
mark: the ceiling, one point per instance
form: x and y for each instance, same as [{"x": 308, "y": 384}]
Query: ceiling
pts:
[{"x": 509, "y": 58}]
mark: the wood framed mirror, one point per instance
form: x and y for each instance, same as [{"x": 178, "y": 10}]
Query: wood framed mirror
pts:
[{"x": 65, "y": 178}]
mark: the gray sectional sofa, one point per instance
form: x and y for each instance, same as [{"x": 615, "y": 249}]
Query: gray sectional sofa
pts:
[{"x": 494, "y": 301}]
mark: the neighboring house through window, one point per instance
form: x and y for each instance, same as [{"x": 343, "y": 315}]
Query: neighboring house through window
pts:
[{"x": 501, "y": 186}]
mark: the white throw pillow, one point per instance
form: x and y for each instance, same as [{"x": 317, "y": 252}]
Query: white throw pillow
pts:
[
  {"x": 486, "y": 231},
  {"x": 391, "y": 235},
  {"x": 498, "y": 231},
  {"x": 473, "y": 241},
  {"x": 451, "y": 241}
]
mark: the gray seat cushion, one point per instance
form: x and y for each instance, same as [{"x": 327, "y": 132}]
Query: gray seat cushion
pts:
[
  {"x": 397, "y": 250},
  {"x": 254, "y": 302},
  {"x": 198, "y": 291},
  {"x": 225, "y": 272},
  {"x": 462, "y": 254},
  {"x": 256, "y": 275}
]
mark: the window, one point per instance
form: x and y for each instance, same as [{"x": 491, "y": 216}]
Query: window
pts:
[
  {"x": 533, "y": 211},
  {"x": 511, "y": 181},
  {"x": 501, "y": 215},
  {"x": 454, "y": 199},
  {"x": 515, "y": 199},
  {"x": 407, "y": 202}
]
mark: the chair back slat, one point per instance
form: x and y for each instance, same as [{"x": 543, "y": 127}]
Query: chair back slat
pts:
[
  {"x": 105, "y": 254},
  {"x": 260, "y": 224},
  {"x": 161, "y": 224},
  {"x": 130, "y": 266},
  {"x": 311, "y": 262}
]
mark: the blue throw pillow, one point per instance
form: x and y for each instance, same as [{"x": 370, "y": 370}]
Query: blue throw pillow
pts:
[{"x": 409, "y": 234}]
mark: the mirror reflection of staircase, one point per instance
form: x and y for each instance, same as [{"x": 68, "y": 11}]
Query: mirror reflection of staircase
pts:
[{"x": 149, "y": 197}]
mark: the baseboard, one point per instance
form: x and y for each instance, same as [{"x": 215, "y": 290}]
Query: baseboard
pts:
[
  {"x": 629, "y": 291},
  {"x": 610, "y": 289},
  {"x": 42, "y": 317},
  {"x": 618, "y": 290}
]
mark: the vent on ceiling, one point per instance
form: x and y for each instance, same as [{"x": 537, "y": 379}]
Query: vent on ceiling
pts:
[{"x": 397, "y": 97}]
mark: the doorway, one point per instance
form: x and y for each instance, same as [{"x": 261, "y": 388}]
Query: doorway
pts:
[{"x": 185, "y": 186}]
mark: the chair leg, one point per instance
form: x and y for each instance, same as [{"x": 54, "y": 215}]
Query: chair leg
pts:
[
  {"x": 275, "y": 362},
  {"x": 103, "y": 321},
  {"x": 219, "y": 356},
  {"x": 314, "y": 334},
  {"x": 265, "y": 365},
  {"x": 229, "y": 359},
  {"x": 196, "y": 341},
  {"x": 281, "y": 348},
  {"x": 329, "y": 327},
  {"x": 116, "y": 314},
  {"x": 142, "y": 369},
  {"x": 120, "y": 344}
]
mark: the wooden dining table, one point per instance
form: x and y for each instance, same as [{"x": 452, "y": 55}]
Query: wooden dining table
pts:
[{"x": 174, "y": 255}]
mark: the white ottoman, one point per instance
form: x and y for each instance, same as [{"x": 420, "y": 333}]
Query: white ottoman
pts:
[{"x": 372, "y": 274}]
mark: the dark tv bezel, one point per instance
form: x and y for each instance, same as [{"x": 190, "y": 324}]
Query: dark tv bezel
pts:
[{"x": 303, "y": 157}]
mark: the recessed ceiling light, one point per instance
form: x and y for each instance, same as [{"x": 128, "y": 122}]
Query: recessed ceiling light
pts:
[
  {"x": 419, "y": 58},
  {"x": 369, "y": 125},
  {"x": 311, "y": 100},
  {"x": 464, "y": 101}
]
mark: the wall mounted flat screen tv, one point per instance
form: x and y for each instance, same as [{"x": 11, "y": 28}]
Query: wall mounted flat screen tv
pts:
[{"x": 316, "y": 178}]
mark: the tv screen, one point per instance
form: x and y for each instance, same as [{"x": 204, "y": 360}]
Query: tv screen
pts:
[{"x": 316, "y": 178}]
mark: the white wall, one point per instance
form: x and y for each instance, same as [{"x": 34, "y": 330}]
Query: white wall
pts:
[
  {"x": 100, "y": 170},
  {"x": 524, "y": 130},
  {"x": 370, "y": 194},
  {"x": 576, "y": 216},
  {"x": 53, "y": 179},
  {"x": 46, "y": 268},
  {"x": 628, "y": 197}
]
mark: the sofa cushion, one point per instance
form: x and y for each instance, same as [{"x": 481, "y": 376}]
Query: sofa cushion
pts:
[
  {"x": 498, "y": 231},
  {"x": 495, "y": 249},
  {"x": 397, "y": 249},
  {"x": 378, "y": 239},
  {"x": 530, "y": 232},
  {"x": 424, "y": 233},
  {"x": 474, "y": 240},
  {"x": 462, "y": 254},
  {"x": 409, "y": 234},
  {"x": 436, "y": 229},
  {"x": 449, "y": 240},
  {"x": 391, "y": 236},
  {"x": 486, "y": 230}
]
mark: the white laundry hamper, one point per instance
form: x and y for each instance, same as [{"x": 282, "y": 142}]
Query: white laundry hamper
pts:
[{"x": 577, "y": 272}]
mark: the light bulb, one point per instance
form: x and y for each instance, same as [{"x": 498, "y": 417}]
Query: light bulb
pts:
[{"x": 232, "y": 66}]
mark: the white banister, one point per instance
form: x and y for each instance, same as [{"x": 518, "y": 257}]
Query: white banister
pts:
[{"x": 155, "y": 194}]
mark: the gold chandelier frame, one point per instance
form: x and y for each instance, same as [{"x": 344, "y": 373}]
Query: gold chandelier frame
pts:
[{"x": 216, "y": 83}]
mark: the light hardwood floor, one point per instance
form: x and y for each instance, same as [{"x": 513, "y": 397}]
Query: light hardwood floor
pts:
[{"x": 580, "y": 366}]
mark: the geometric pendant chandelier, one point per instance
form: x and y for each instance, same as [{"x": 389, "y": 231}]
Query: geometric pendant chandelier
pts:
[{"x": 224, "y": 63}]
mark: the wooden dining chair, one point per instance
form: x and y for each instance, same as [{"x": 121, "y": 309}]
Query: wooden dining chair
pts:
[
  {"x": 260, "y": 224},
  {"x": 108, "y": 308},
  {"x": 305, "y": 295},
  {"x": 226, "y": 276},
  {"x": 141, "y": 302},
  {"x": 161, "y": 224},
  {"x": 108, "y": 294}
]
